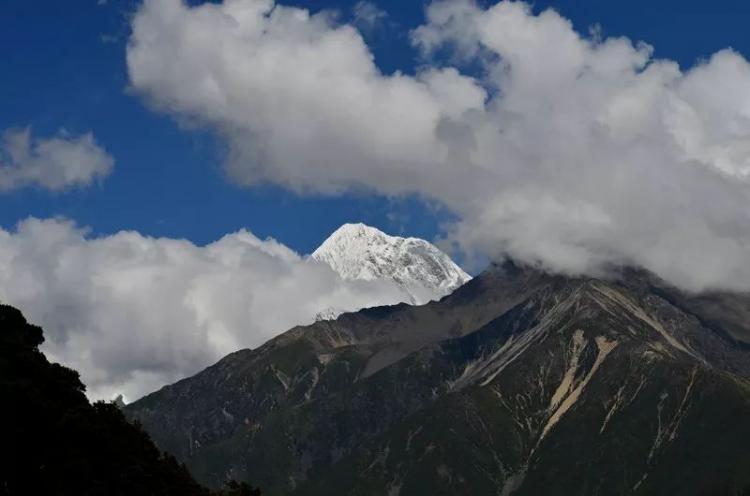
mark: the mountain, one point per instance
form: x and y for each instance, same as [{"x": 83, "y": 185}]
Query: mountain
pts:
[
  {"x": 519, "y": 382},
  {"x": 418, "y": 268},
  {"x": 55, "y": 442}
]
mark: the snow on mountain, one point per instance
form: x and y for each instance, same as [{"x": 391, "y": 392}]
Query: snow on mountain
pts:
[{"x": 417, "y": 267}]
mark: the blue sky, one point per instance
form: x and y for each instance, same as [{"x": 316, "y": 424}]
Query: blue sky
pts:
[
  {"x": 542, "y": 144},
  {"x": 63, "y": 66}
]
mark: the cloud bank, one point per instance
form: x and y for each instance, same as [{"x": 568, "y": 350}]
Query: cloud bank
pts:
[
  {"x": 565, "y": 150},
  {"x": 55, "y": 163},
  {"x": 132, "y": 313}
]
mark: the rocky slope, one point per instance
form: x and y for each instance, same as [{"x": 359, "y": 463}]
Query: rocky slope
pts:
[
  {"x": 421, "y": 270},
  {"x": 519, "y": 383}
]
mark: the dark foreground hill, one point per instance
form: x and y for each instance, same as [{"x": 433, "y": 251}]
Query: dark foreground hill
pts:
[
  {"x": 518, "y": 383},
  {"x": 54, "y": 442}
]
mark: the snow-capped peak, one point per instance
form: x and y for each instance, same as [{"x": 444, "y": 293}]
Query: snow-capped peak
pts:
[{"x": 358, "y": 251}]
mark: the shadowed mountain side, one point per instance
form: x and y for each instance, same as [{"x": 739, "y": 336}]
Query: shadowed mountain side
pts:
[
  {"x": 488, "y": 391},
  {"x": 726, "y": 313}
]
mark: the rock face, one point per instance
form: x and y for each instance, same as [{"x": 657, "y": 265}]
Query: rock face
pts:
[
  {"x": 518, "y": 383},
  {"x": 421, "y": 270}
]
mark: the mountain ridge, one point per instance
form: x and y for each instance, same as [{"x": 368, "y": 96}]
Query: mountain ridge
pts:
[{"x": 488, "y": 385}]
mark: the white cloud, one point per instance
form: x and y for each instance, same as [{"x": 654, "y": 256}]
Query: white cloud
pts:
[
  {"x": 601, "y": 153},
  {"x": 570, "y": 151},
  {"x": 132, "y": 313},
  {"x": 368, "y": 15},
  {"x": 299, "y": 99},
  {"x": 55, "y": 163}
]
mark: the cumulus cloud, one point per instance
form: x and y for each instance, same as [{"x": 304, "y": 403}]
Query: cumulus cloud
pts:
[
  {"x": 570, "y": 151},
  {"x": 133, "y": 313},
  {"x": 299, "y": 98},
  {"x": 55, "y": 163}
]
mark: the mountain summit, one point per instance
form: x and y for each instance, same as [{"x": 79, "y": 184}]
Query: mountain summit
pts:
[{"x": 419, "y": 268}]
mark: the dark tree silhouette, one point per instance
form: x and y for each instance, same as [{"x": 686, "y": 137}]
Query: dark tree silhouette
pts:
[
  {"x": 53, "y": 441},
  {"x": 234, "y": 488}
]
